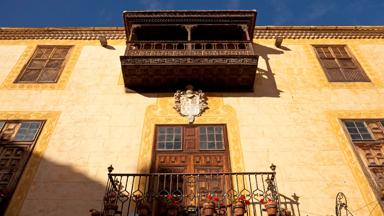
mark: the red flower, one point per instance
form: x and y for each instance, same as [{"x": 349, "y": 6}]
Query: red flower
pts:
[
  {"x": 169, "y": 196},
  {"x": 216, "y": 199},
  {"x": 247, "y": 202},
  {"x": 262, "y": 200},
  {"x": 209, "y": 197},
  {"x": 242, "y": 198}
]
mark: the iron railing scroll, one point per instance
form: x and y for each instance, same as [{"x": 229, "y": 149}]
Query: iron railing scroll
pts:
[{"x": 126, "y": 194}]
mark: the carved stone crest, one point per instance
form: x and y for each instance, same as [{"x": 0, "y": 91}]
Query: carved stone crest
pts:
[{"x": 190, "y": 103}]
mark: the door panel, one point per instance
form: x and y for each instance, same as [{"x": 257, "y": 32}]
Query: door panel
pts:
[{"x": 192, "y": 159}]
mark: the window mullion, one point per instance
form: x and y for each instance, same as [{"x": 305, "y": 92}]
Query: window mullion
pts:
[{"x": 46, "y": 62}]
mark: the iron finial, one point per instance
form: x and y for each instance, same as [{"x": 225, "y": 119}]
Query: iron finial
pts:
[
  {"x": 110, "y": 168},
  {"x": 273, "y": 167}
]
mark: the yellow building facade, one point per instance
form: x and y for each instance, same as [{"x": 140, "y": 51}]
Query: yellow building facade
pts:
[{"x": 293, "y": 118}]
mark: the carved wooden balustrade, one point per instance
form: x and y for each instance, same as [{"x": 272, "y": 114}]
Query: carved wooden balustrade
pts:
[
  {"x": 372, "y": 154},
  {"x": 183, "y": 48},
  {"x": 127, "y": 193}
]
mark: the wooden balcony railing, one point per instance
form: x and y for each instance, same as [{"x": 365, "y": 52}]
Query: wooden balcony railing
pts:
[
  {"x": 127, "y": 194},
  {"x": 183, "y": 48}
]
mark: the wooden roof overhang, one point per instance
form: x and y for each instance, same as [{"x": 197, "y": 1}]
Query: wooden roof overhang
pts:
[
  {"x": 194, "y": 17},
  {"x": 216, "y": 66}
]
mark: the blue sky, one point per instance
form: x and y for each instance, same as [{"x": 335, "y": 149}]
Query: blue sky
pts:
[{"x": 41, "y": 13}]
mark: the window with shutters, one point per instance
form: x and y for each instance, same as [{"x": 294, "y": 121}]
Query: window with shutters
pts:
[
  {"x": 339, "y": 65},
  {"x": 367, "y": 136},
  {"x": 17, "y": 140},
  {"x": 45, "y": 65}
]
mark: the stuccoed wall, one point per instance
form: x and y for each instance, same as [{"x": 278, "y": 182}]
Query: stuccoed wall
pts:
[
  {"x": 99, "y": 125},
  {"x": 292, "y": 120},
  {"x": 299, "y": 130}
]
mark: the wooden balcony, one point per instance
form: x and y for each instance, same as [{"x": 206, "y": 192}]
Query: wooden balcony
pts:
[
  {"x": 211, "y": 50},
  {"x": 154, "y": 66}
]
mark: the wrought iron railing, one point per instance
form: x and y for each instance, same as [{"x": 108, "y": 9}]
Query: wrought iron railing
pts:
[
  {"x": 183, "y": 48},
  {"x": 131, "y": 194}
]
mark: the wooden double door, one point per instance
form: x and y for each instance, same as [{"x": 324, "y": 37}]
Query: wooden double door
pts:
[{"x": 193, "y": 149}]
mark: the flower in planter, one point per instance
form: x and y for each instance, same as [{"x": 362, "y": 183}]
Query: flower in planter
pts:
[
  {"x": 270, "y": 205},
  {"x": 171, "y": 201},
  {"x": 241, "y": 199},
  {"x": 214, "y": 199},
  {"x": 239, "y": 204}
]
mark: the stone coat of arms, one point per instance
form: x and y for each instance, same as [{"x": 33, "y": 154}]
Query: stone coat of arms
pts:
[{"x": 190, "y": 103}]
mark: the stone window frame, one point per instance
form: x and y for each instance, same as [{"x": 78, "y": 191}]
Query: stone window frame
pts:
[
  {"x": 343, "y": 61},
  {"x": 47, "y": 59}
]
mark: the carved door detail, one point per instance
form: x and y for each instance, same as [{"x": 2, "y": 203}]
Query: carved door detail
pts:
[{"x": 193, "y": 149}]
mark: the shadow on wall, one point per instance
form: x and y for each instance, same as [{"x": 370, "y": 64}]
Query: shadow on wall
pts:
[
  {"x": 56, "y": 189},
  {"x": 290, "y": 204},
  {"x": 265, "y": 83}
]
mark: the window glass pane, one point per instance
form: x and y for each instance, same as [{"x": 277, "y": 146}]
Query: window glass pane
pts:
[
  {"x": 218, "y": 130},
  {"x": 169, "y": 138},
  {"x": 160, "y": 145},
  {"x": 219, "y": 137},
  {"x": 46, "y": 52},
  {"x": 177, "y": 145},
  {"x": 161, "y": 138},
  {"x": 203, "y": 137},
  {"x": 54, "y": 63},
  {"x": 211, "y": 137},
  {"x": 203, "y": 144},
  {"x": 30, "y": 75},
  {"x": 211, "y": 145},
  {"x": 219, "y": 145},
  {"x": 349, "y": 123},
  {"x": 49, "y": 75},
  {"x": 360, "y": 124},
  {"x": 366, "y": 136},
  {"x": 169, "y": 145},
  {"x": 353, "y": 130},
  {"x": 36, "y": 64},
  {"x": 43, "y": 52},
  {"x": 362, "y": 130},
  {"x": 60, "y": 52},
  {"x": 27, "y": 131},
  {"x": 355, "y": 137},
  {"x": 2, "y": 123},
  {"x": 177, "y": 138},
  {"x": 213, "y": 140}
]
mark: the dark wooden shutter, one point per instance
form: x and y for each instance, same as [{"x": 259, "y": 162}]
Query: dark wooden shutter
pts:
[
  {"x": 46, "y": 64},
  {"x": 339, "y": 65}
]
